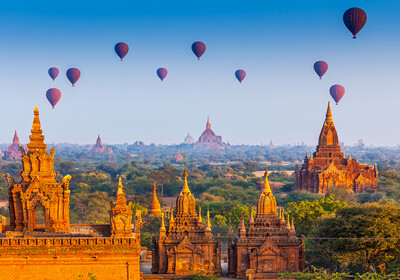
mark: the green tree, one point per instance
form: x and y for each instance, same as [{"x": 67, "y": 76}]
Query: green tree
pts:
[
  {"x": 361, "y": 236},
  {"x": 306, "y": 212}
]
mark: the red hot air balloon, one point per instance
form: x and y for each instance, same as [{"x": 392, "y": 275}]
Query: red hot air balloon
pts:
[
  {"x": 240, "y": 75},
  {"x": 337, "y": 92},
  {"x": 53, "y": 95},
  {"x": 354, "y": 19},
  {"x": 73, "y": 75},
  {"x": 162, "y": 73},
  {"x": 53, "y": 72},
  {"x": 121, "y": 49},
  {"x": 320, "y": 68},
  {"x": 198, "y": 49}
]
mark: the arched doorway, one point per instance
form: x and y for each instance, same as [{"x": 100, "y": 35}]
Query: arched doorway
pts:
[{"x": 38, "y": 218}]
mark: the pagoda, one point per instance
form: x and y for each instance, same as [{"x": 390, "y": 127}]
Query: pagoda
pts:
[
  {"x": 38, "y": 187},
  {"x": 187, "y": 246},
  {"x": 100, "y": 148},
  {"x": 58, "y": 250},
  {"x": 209, "y": 139},
  {"x": 14, "y": 150},
  {"x": 178, "y": 157},
  {"x": 155, "y": 207},
  {"x": 328, "y": 167},
  {"x": 268, "y": 245},
  {"x": 189, "y": 139}
]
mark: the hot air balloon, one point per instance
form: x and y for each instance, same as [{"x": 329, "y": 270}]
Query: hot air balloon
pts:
[
  {"x": 198, "y": 49},
  {"x": 53, "y": 72},
  {"x": 73, "y": 75},
  {"x": 320, "y": 68},
  {"x": 354, "y": 19},
  {"x": 337, "y": 92},
  {"x": 121, "y": 49},
  {"x": 240, "y": 75},
  {"x": 162, "y": 73},
  {"x": 53, "y": 95}
]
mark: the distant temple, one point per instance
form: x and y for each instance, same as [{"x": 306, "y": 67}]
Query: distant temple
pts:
[
  {"x": 58, "y": 250},
  {"x": 99, "y": 148},
  {"x": 189, "y": 139},
  {"x": 328, "y": 166},
  {"x": 155, "y": 207},
  {"x": 178, "y": 157},
  {"x": 13, "y": 151},
  {"x": 187, "y": 246},
  {"x": 209, "y": 139},
  {"x": 268, "y": 245}
]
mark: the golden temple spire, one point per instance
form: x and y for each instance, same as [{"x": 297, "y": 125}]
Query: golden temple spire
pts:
[
  {"x": 292, "y": 226},
  {"x": 200, "y": 219},
  {"x": 208, "y": 125},
  {"x": 328, "y": 118},
  {"x": 288, "y": 222},
  {"x": 185, "y": 188},
  {"x": 280, "y": 213},
  {"x": 208, "y": 219},
  {"x": 267, "y": 187},
  {"x": 37, "y": 138},
  {"x": 155, "y": 207},
  {"x": 349, "y": 157},
  {"x": 120, "y": 187},
  {"x": 162, "y": 228},
  {"x": 251, "y": 218}
]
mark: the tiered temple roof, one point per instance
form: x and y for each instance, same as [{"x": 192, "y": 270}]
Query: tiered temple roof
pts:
[
  {"x": 268, "y": 245},
  {"x": 13, "y": 151},
  {"x": 100, "y": 148},
  {"x": 209, "y": 139},
  {"x": 328, "y": 166},
  {"x": 187, "y": 246}
]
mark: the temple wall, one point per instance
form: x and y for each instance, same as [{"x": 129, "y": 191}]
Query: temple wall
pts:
[{"x": 67, "y": 258}]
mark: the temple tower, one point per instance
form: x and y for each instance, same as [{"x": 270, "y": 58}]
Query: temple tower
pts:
[
  {"x": 38, "y": 188},
  {"x": 187, "y": 246},
  {"x": 268, "y": 245},
  {"x": 328, "y": 166},
  {"x": 13, "y": 151},
  {"x": 155, "y": 207},
  {"x": 121, "y": 215}
]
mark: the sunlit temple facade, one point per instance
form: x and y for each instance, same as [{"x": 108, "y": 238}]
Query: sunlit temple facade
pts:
[
  {"x": 186, "y": 246},
  {"x": 268, "y": 245},
  {"x": 328, "y": 167}
]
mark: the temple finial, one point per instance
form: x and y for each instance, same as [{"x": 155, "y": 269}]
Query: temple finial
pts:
[
  {"x": 200, "y": 219},
  {"x": 208, "y": 219},
  {"x": 120, "y": 187},
  {"x": 328, "y": 118},
  {"x": 162, "y": 228},
  {"x": 208, "y": 125},
  {"x": 288, "y": 222},
  {"x": 267, "y": 187},
  {"x": 185, "y": 188}
]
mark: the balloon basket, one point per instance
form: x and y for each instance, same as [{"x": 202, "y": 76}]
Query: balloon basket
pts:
[{"x": 354, "y": 37}]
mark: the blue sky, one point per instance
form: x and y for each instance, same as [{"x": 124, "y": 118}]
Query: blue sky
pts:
[{"x": 276, "y": 42}]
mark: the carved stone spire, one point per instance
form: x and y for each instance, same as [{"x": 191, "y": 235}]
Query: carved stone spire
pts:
[
  {"x": 208, "y": 125},
  {"x": 121, "y": 215},
  {"x": 37, "y": 138},
  {"x": 162, "y": 228},
  {"x": 185, "y": 203},
  {"x": 185, "y": 188},
  {"x": 16, "y": 139},
  {"x": 200, "y": 219},
  {"x": 288, "y": 222},
  {"x": 155, "y": 207},
  {"x": 266, "y": 203},
  {"x": 98, "y": 141},
  {"x": 328, "y": 118},
  {"x": 208, "y": 227}
]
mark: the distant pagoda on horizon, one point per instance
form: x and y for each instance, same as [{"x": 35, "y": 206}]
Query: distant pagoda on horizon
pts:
[
  {"x": 328, "y": 167},
  {"x": 209, "y": 139},
  {"x": 14, "y": 150},
  {"x": 189, "y": 139},
  {"x": 178, "y": 157},
  {"x": 100, "y": 148}
]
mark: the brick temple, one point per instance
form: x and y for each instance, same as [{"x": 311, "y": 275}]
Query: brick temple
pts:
[
  {"x": 58, "y": 250},
  {"x": 99, "y": 148},
  {"x": 268, "y": 245},
  {"x": 188, "y": 139},
  {"x": 328, "y": 167},
  {"x": 13, "y": 151},
  {"x": 187, "y": 246},
  {"x": 209, "y": 139}
]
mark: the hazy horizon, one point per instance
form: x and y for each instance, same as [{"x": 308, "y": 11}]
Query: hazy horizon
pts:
[{"x": 281, "y": 97}]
